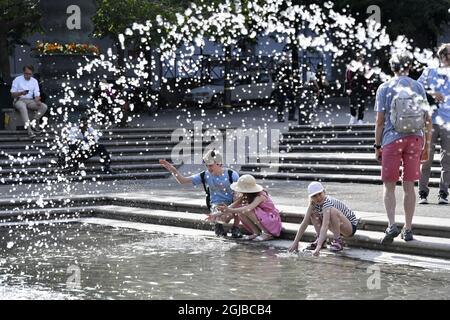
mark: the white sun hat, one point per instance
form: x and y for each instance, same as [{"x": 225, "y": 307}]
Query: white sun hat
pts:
[
  {"x": 315, "y": 188},
  {"x": 246, "y": 184}
]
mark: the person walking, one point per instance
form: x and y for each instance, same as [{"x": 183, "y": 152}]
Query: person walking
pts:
[{"x": 356, "y": 87}]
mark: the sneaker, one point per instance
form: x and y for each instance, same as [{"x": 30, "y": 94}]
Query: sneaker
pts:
[
  {"x": 352, "y": 120},
  {"x": 423, "y": 197},
  {"x": 337, "y": 245},
  {"x": 390, "y": 234},
  {"x": 443, "y": 197},
  {"x": 313, "y": 245},
  {"x": 236, "y": 232},
  {"x": 407, "y": 235},
  {"x": 219, "y": 230},
  {"x": 360, "y": 122}
]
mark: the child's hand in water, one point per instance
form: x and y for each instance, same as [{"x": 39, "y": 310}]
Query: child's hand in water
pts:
[{"x": 293, "y": 247}]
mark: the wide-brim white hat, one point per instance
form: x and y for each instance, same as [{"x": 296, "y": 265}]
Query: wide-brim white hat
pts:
[{"x": 246, "y": 184}]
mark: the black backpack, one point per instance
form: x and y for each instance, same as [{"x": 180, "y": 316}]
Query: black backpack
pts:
[{"x": 208, "y": 195}]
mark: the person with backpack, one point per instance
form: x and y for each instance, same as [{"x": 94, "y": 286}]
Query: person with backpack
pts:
[
  {"x": 437, "y": 84},
  {"x": 402, "y": 136},
  {"x": 216, "y": 181}
]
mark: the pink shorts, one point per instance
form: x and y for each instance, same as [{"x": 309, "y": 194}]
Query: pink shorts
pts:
[{"x": 407, "y": 150}]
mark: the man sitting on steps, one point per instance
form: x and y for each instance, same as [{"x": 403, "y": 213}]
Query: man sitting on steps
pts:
[{"x": 26, "y": 94}]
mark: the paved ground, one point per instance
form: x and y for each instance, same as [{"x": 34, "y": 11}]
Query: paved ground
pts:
[{"x": 335, "y": 111}]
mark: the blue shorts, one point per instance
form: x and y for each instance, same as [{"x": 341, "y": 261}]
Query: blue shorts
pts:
[{"x": 354, "y": 228}]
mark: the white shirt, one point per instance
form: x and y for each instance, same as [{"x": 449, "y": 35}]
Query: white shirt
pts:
[
  {"x": 20, "y": 84},
  {"x": 310, "y": 76},
  {"x": 88, "y": 139}
]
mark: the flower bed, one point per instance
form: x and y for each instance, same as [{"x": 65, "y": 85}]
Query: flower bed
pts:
[{"x": 69, "y": 49}]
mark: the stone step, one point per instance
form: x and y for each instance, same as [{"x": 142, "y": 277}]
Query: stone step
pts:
[
  {"x": 327, "y": 148},
  {"x": 338, "y": 127},
  {"x": 113, "y": 150},
  {"x": 50, "y": 161},
  {"x": 113, "y": 130},
  {"x": 366, "y": 148},
  {"x": 327, "y": 158},
  {"x": 328, "y": 141},
  {"x": 323, "y": 169},
  {"x": 369, "y": 221},
  {"x": 43, "y": 141},
  {"x": 357, "y": 141},
  {"x": 327, "y": 134},
  {"x": 50, "y": 138},
  {"x": 88, "y": 177},
  {"x": 422, "y": 245},
  {"x": 21, "y": 147},
  {"x": 92, "y": 167},
  {"x": 346, "y": 178}
]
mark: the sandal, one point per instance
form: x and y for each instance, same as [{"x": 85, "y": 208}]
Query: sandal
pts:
[
  {"x": 250, "y": 237},
  {"x": 264, "y": 237}
]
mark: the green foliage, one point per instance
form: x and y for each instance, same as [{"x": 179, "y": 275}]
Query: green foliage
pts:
[
  {"x": 420, "y": 20},
  {"x": 115, "y": 16},
  {"x": 19, "y": 18}
]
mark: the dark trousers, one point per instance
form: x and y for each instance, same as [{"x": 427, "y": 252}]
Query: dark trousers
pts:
[
  {"x": 76, "y": 156},
  {"x": 286, "y": 102},
  {"x": 357, "y": 106}
]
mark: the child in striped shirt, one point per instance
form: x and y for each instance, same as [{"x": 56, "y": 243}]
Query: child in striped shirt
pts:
[{"x": 326, "y": 213}]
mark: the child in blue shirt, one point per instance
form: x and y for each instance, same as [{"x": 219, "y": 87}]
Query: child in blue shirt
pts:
[{"x": 216, "y": 181}]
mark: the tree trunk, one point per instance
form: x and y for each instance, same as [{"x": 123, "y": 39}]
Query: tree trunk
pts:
[
  {"x": 5, "y": 68},
  {"x": 303, "y": 96},
  {"x": 120, "y": 56},
  {"x": 227, "y": 84},
  {"x": 148, "y": 55}
]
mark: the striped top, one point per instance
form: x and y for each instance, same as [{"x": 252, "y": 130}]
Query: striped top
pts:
[{"x": 331, "y": 202}]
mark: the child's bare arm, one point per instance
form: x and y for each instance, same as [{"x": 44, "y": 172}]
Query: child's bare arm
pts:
[
  {"x": 301, "y": 229},
  {"x": 178, "y": 176},
  {"x": 323, "y": 230},
  {"x": 258, "y": 200}
]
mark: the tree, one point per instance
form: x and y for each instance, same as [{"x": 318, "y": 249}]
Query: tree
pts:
[
  {"x": 420, "y": 20},
  {"x": 19, "y": 18},
  {"x": 114, "y": 17}
]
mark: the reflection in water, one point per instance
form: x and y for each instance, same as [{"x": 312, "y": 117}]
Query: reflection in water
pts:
[{"x": 84, "y": 261}]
